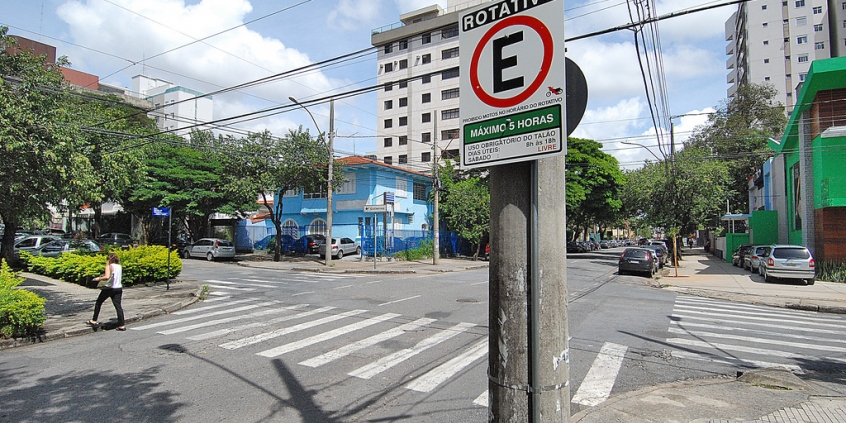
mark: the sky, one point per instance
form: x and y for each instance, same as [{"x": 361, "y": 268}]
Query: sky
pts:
[{"x": 117, "y": 39}]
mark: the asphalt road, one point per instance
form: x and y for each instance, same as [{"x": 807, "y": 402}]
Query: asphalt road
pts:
[{"x": 304, "y": 347}]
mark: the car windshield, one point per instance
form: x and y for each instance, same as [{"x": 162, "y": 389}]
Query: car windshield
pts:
[
  {"x": 224, "y": 243},
  {"x": 636, "y": 254},
  {"x": 791, "y": 253}
]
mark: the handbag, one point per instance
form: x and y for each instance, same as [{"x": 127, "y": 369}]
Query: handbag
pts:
[{"x": 106, "y": 283}]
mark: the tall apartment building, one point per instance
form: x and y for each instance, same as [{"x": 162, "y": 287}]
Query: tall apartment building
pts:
[
  {"x": 418, "y": 104},
  {"x": 175, "y": 108},
  {"x": 775, "y": 41}
]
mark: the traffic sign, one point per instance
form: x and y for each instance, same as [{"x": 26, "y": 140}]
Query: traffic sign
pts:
[
  {"x": 375, "y": 208},
  {"x": 514, "y": 106},
  {"x": 161, "y": 211}
]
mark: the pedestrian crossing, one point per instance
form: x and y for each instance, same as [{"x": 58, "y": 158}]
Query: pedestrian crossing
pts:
[
  {"x": 352, "y": 341},
  {"x": 246, "y": 285},
  {"x": 753, "y": 336}
]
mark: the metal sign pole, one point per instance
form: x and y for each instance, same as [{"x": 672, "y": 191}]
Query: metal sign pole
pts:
[
  {"x": 534, "y": 283},
  {"x": 374, "y": 241},
  {"x": 169, "y": 226}
]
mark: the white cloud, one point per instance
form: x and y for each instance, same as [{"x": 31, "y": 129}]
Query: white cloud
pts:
[
  {"x": 611, "y": 69},
  {"x": 352, "y": 14},
  {"x": 611, "y": 122}
]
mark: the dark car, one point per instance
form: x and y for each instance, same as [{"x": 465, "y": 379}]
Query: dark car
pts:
[
  {"x": 575, "y": 247},
  {"x": 660, "y": 253},
  {"x": 176, "y": 243},
  {"x": 115, "y": 238},
  {"x": 638, "y": 260},
  {"x": 61, "y": 246},
  {"x": 308, "y": 244},
  {"x": 269, "y": 243},
  {"x": 739, "y": 255}
]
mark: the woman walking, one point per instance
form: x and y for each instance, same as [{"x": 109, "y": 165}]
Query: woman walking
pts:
[{"x": 113, "y": 290}]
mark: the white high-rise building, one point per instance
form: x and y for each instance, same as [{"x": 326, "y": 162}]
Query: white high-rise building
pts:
[
  {"x": 775, "y": 41},
  {"x": 175, "y": 108},
  {"x": 418, "y": 68}
]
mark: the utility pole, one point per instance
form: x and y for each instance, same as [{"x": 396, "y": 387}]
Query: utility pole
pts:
[
  {"x": 436, "y": 185},
  {"x": 329, "y": 210}
]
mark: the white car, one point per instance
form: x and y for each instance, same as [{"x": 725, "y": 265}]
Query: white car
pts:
[
  {"x": 340, "y": 247},
  {"x": 210, "y": 248},
  {"x": 788, "y": 261}
]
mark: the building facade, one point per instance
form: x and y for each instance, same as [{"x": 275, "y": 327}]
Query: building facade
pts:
[
  {"x": 175, "y": 108},
  {"x": 775, "y": 41},
  {"x": 418, "y": 68}
]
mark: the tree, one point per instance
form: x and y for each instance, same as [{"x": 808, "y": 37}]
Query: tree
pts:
[
  {"x": 44, "y": 161},
  {"x": 263, "y": 165},
  {"x": 593, "y": 181},
  {"x": 466, "y": 209}
]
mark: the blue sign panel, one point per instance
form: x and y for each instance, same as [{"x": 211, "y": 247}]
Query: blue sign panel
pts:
[
  {"x": 161, "y": 211},
  {"x": 389, "y": 197}
]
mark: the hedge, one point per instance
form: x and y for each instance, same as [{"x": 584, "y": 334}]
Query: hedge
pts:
[
  {"x": 144, "y": 264},
  {"x": 21, "y": 311}
]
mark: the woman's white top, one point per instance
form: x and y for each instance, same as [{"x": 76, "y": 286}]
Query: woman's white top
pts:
[{"x": 117, "y": 274}]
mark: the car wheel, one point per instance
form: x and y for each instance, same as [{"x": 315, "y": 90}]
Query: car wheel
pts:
[
  {"x": 621, "y": 272},
  {"x": 358, "y": 251},
  {"x": 767, "y": 277},
  {"x": 810, "y": 281},
  {"x": 186, "y": 254},
  {"x": 340, "y": 254},
  {"x": 210, "y": 257}
]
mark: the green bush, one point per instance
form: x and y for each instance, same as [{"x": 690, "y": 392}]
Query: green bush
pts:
[
  {"x": 21, "y": 311},
  {"x": 424, "y": 250},
  {"x": 831, "y": 271},
  {"x": 142, "y": 264}
]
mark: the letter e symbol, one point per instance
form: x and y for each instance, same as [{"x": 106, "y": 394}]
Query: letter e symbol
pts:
[{"x": 500, "y": 63}]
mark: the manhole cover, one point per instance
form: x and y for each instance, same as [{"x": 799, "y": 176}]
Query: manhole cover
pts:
[{"x": 466, "y": 300}]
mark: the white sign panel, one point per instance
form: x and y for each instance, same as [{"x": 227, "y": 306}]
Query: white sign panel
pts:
[
  {"x": 376, "y": 208},
  {"x": 512, "y": 82}
]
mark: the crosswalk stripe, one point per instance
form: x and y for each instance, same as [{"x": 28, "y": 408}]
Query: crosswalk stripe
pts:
[
  {"x": 783, "y": 334},
  {"x": 758, "y": 351},
  {"x": 284, "y": 331},
  {"x": 211, "y": 300},
  {"x": 293, "y": 346},
  {"x": 597, "y": 385},
  {"x": 364, "y": 343},
  {"x": 222, "y": 294},
  {"x": 766, "y": 310},
  {"x": 203, "y": 316},
  {"x": 385, "y": 363},
  {"x": 266, "y": 281},
  {"x": 400, "y": 300},
  {"x": 482, "y": 400},
  {"x": 226, "y": 320},
  {"x": 240, "y": 283},
  {"x": 439, "y": 374},
  {"x": 221, "y": 332},
  {"x": 756, "y": 340},
  {"x": 234, "y": 288},
  {"x": 211, "y": 307},
  {"x": 682, "y": 319},
  {"x": 770, "y": 315},
  {"x": 751, "y": 318},
  {"x": 736, "y": 361}
]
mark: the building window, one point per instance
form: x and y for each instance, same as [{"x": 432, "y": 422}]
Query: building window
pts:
[
  {"x": 789, "y": 95},
  {"x": 388, "y": 160},
  {"x": 787, "y": 58},
  {"x": 449, "y": 114},
  {"x": 403, "y": 102},
  {"x": 426, "y": 117},
  {"x": 389, "y": 142},
  {"x": 402, "y": 184},
  {"x": 449, "y": 73},
  {"x": 426, "y": 157},
  {"x": 403, "y": 44},
  {"x": 426, "y": 38},
  {"x": 818, "y": 28},
  {"x": 450, "y": 32},
  {"x": 349, "y": 184},
  {"x": 389, "y": 86},
  {"x": 787, "y": 76},
  {"x": 426, "y": 79},
  {"x": 426, "y": 137},
  {"x": 766, "y": 78},
  {"x": 803, "y": 58},
  {"x": 403, "y": 64},
  {"x": 426, "y": 98},
  {"x": 451, "y": 154},
  {"x": 427, "y": 58},
  {"x": 449, "y": 53},
  {"x": 389, "y": 67},
  {"x": 389, "y": 104},
  {"x": 764, "y": 7},
  {"x": 802, "y": 39},
  {"x": 800, "y": 3},
  {"x": 403, "y": 140},
  {"x": 802, "y": 21},
  {"x": 448, "y": 94},
  {"x": 765, "y": 24},
  {"x": 818, "y": 10},
  {"x": 403, "y": 159},
  {"x": 843, "y": 5},
  {"x": 403, "y": 120},
  {"x": 389, "y": 48},
  {"x": 449, "y": 134},
  {"x": 389, "y": 123},
  {"x": 766, "y": 43},
  {"x": 844, "y": 24},
  {"x": 419, "y": 192},
  {"x": 766, "y": 60},
  {"x": 786, "y": 39},
  {"x": 819, "y": 46},
  {"x": 403, "y": 84},
  {"x": 802, "y": 76},
  {"x": 319, "y": 192}
]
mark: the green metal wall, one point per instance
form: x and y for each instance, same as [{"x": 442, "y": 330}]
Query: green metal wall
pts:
[
  {"x": 794, "y": 230},
  {"x": 829, "y": 172},
  {"x": 733, "y": 241},
  {"x": 763, "y": 226}
]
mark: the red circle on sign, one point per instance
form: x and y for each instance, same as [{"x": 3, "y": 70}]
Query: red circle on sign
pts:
[{"x": 545, "y": 36}]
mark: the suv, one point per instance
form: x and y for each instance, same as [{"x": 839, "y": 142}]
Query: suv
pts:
[
  {"x": 114, "y": 238},
  {"x": 789, "y": 261}
]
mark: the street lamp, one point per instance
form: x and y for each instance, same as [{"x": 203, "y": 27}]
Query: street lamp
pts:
[
  {"x": 641, "y": 145},
  {"x": 329, "y": 147}
]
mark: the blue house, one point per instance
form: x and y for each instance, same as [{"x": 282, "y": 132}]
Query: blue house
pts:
[{"x": 366, "y": 182}]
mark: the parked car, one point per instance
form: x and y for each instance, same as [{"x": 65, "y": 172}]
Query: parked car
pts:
[
  {"x": 340, "y": 247},
  {"x": 115, "y": 238},
  {"x": 752, "y": 261},
  {"x": 33, "y": 242},
  {"x": 177, "y": 243},
  {"x": 210, "y": 248},
  {"x": 603, "y": 245},
  {"x": 308, "y": 244},
  {"x": 576, "y": 247},
  {"x": 739, "y": 254},
  {"x": 789, "y": 262},
  {"x": 638, "y": 260},
  {"x": 660, "y": 253},
  {"x": 60, "y": 246},
  {"x": 269, "y": 243}
]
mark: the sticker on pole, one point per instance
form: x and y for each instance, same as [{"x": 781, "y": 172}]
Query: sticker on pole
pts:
[{"x": 512, "y": 82}]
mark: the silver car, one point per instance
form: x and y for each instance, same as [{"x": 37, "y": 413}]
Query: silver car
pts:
[
  {"x": 210, "y": 248},
  {"x": 33, "y": 242},
  {"x": 340, "y": 247},
  {"x": 752, "y": 261},
  {"x": 789, "y": 261}
]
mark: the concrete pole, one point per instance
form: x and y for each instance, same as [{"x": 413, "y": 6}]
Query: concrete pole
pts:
[
  {"x": 329, "y": 192},
  {"x": 510, "y": 359},
  {"x": 436, "y": 225}
]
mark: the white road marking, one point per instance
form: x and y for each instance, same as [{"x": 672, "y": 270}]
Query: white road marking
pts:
[
  {"x": 385, "y": 363},
  {"x": 302, "y": 293},
  {"x": 482, "y": 400},
  {"x": 211, "y": 300},
  {"x": 284, "y": 331},
  {"x": 368, "y": 283},
  {"x": 211, "y": 307},
  {"x": 202, "y": 316},
  {"x": 439, "y": 374},
  {"x": 736, "y": 361},
  {"x": 700, "y": 334},
  {"x": 342, "y": 287},
  {"x": 400, "y": 300},
  {"x": 219, "y": 293},
  {"x": 759, "y": 351},
  {"x": 763, "y": 313},
  {"x": 597, "y": 385},
  {"x": 226, "y": 287},
  {"x": 364, "y": 343},
  {"x": 293, "y": 346},
  {"x": 221, "y": 332},
  {"x": 240, "y": 283},
  {"x": 266, "y": 281},
  {"x": 479, "y": 283},
  {"x": 226, "y": 320},
  {"x": 684, "y": 325}
]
